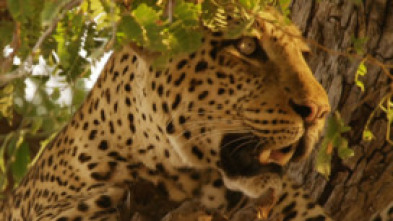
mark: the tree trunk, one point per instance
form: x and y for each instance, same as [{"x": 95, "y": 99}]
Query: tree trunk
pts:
[{"x": 363, "y": 184}]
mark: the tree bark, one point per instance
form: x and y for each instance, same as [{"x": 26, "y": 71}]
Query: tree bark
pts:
[{"x": 363, "y": 184}]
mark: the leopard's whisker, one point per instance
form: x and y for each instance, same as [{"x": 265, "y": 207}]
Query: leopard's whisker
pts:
[{"x": 193, "y": 138}]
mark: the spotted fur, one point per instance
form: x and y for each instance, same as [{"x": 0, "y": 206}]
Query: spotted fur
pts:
[{"x": 226, "y": 117}]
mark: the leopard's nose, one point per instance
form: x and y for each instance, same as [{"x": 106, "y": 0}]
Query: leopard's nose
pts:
[{"x": 309, "y": 110}]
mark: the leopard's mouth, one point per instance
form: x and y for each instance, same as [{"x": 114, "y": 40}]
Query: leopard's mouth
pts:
[{"x": 243, "y": 154}]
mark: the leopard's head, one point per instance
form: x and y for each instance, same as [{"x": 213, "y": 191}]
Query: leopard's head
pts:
[{"x": 246, "y": 106}]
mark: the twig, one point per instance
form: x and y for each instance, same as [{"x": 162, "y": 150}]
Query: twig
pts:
[
  {"x": 20, "y": 72},
  {"x": 170, "y": 11},
  {"x": 367, "y": 59},
  {"x": 49, "y": 30}
]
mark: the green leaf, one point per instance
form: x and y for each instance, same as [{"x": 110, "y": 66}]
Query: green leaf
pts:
[
  {"x": 146, "y": 15},
  {"x": 6, "y": 102},
  {"x": 149, "y": 20},
  {"x": 20, "y": 141},
  {"x": 6, "y": 30},
  {"x": 43, "y": 144},
  {"x": 239, "y": 29},
  {"x": 368, "y": 135},
  {"x": 344, "y": 152},
  {"x": 11, "y": 147},
  {"x": 2, "y": 184},
  {"x": 357, "y": 2},
  {"x": 361, "y": 71},
  {"x": 213, "y": 16},
  {"x": 333, "y": 139},
  {"x": 345, "y": 129},
  {"x": 389, "y": 112},
  {"x": 49, "y": 124},
  {"x": 21, "y": 161},
  {"x": 324, "y": 157},
  {"x": 104, "y": 12},
  {"x": 285, "y": 4},
  {"x": 185, "y": 41},
  {"x": 154, "y": 38},
  {"x": 187, "y": 13},
  {"x": 51, "y": 10},
  {"x": 359, "y": 44},
  {"x": 20, "y": 9},
  {"x": 36, "y": 125},
  {"x": 360, "y": 85},
  {"x": 250, "y": 4},
  {"x": 2, "y": 149},
  {"x": 131, "y": 29},
  {"x": 79, "y": 93},
  {"x": 60, "y": 37},
  {"x": 332, "y": 127},
  {"x": 55, "y": 94}
]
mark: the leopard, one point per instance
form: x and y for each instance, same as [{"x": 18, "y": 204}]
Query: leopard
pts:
[{"x": 228, "y": 117}]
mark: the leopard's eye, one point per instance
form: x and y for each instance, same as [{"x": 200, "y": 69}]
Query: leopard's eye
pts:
[{"x": 247, "y": 45}]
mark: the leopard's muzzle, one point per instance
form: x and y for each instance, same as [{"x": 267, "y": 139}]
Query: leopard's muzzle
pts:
[{"x": 244, "y": 154}]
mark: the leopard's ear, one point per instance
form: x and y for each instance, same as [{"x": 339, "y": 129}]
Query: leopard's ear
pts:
[{"x": 144, "y": 53}]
